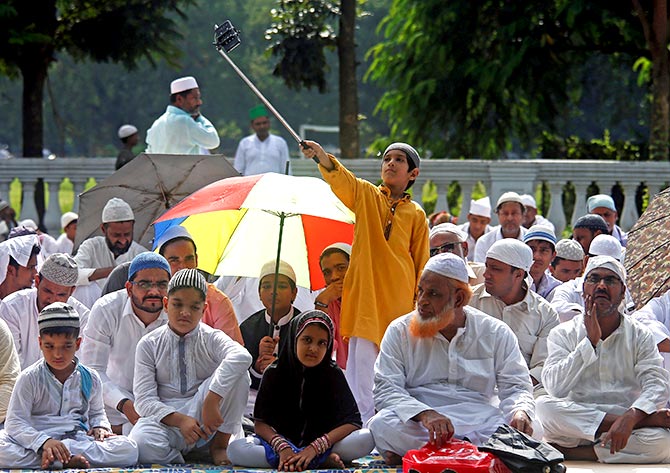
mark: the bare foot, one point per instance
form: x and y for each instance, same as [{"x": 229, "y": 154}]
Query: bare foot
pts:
[
  {"x": 77, "y": 461},
  {"x": 333, "y": 462},
  {"x": 583, "y": 453},
  {"x": 660, "y": 418},
  {"x": 218, "y": 449},
  {"x": 391, "y": 458}
]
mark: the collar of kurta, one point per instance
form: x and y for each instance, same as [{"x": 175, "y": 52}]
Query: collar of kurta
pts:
[{"x": 387, "y": 192}]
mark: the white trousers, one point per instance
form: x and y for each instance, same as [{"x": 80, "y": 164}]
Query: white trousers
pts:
[
  {"x": 360, "y": 374},
  {"x": 159, "y": 443},
  {"x": 118, "y": 451},
  {"x": 249, "y": 452},
  {"x": 571, "y": 424}
]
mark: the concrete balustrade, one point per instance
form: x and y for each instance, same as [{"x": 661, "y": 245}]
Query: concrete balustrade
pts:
[{"x": 522, "y": 176}]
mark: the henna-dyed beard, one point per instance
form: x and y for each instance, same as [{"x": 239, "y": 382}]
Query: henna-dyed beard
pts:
[{"x": 427, "y": 328}]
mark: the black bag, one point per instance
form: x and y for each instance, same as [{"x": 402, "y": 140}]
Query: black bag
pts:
[{"x": 522, "y": 453}]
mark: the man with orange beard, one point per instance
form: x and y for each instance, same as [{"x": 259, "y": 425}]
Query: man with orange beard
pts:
[{"x": 441, "y": 366}]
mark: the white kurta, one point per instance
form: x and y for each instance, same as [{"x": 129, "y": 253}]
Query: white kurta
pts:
[
  {"x": 547, "y": 284},
  {"x": 584, "y": 384},
  {"x": 472, "y": 243},
  {"x": 254, "y": 156},
  {"x": 64, "y": 244},
  {"x": 176, "y": 132},
  {"x": 531, "y": 320},
  {"x": 459, "y": 379},
  {"x": 174, "y": 374},
  {"x": 20, "y": 312},
  {"x": 41, "y": 408},
  {"x": 110, "y": 340},
  {"x": 9, "y": 367},
  {"x": 488, "y": 239},
  {"x": 568, "y": 299},
  {"x": 656, "y": 316},
  {"x": 94, "y": 253}
]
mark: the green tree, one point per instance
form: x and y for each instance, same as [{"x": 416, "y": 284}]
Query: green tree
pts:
[
  {"x": 301, "y": 32},
  {"x": 471, "y": 78}
]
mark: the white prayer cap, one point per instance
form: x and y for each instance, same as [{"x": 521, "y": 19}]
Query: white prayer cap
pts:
[
  {"x": 126, "y": 130},
  {"x": 20, "y": 248},
  {"x": 29, "y": 223},
  {"x": 600, "y": 200},
  {"x": 346, "y": 247},
  {"x": 60, "y": 269},
  {"x": 528, "y": 201},
  {"x": 175, "y": 231},
  {"x": 508, "y": 197},
  {"x": 481, "y": 207},
  {"x": 3, "y": 204},
  {"x": 67, "y": 218},
  {"x": 606, "y": 245},
  {"x": 117, "y": 210},
  {"x": 540, "y": 232},
  {"x": 570, "y": 250},
  {"x": 513, "y": 252},
  {"x": 284, "y": 269},
  {"x": 606, "y": 262},
  {"x": 448, "y": 265},
  {"x": 182, "y": 84},
  {"x": 444, "y": 228}
]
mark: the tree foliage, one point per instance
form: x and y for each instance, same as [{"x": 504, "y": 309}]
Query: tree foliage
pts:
[{"x": 470, "y": 78}]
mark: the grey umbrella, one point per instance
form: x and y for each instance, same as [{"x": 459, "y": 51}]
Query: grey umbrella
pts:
[{"x": 151, "y": 184}]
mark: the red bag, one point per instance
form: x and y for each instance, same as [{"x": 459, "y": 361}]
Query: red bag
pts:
[{"x": 456, "y": 456}]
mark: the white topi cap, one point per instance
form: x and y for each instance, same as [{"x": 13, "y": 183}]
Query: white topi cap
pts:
[
  {"x": 126, "y": 130},
  {"x": 182, "y": 84},
  {"x": 67, "y": 218},
  {"x": 117, "y": 210},
  {"x": 528, "y": 201},
  {"x": 481, "y": 207}
]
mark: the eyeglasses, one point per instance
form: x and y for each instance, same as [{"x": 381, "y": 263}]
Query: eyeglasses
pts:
[
  {"x": 608, "y": 280},
  {"x": 146, "y": 285},
  {"x": 447, "y": 247}
]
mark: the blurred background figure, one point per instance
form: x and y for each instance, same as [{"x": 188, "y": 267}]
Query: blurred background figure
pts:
[{"x": 129, "y": 138}]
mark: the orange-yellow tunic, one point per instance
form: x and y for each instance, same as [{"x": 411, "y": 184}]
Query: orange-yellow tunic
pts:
[{"x": 380, "y": 284}]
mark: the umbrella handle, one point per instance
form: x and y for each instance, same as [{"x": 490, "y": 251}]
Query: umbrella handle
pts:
[{"x": 227, "y": 38}]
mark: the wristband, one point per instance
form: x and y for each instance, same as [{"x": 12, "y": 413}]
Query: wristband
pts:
[
  {"x": 119, "y": 406},
  {"x": 320, "y": 304}
]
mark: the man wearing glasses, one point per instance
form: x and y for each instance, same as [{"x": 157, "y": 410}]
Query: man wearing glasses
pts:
[
  {"x": 117, "y": 322},
  {"x": 604, "y": 375},
  {"x": 449, "y": 238}
]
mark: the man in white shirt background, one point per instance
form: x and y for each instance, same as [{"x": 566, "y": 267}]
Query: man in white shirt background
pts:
[{"x": 261, "y": 152}]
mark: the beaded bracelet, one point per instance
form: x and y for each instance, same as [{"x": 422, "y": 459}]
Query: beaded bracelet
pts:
[
  {"x": 321, "y": 444},
  {"x": 279, "y": 443}
]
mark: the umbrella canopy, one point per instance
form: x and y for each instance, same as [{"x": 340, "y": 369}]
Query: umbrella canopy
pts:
[
  {"x": 241, "y": 223},
  {"x": 647, "y": 259},
  {"x": 151, "y": 184}
]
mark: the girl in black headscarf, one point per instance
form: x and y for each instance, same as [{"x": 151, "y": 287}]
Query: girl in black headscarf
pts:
[{"x": 305, "y": 415}]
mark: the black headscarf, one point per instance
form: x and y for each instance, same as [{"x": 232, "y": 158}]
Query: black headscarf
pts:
[{"x": 301, "y": 403}]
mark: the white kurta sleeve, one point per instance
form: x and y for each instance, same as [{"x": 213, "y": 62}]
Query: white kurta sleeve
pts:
[
  {"x": 96, "y": 407},
  {"x": 202, "y": 132},
  {"x": 18, "y": 424},
  {"x": 145, "y": 385},
  {"x": 513, "y": 378},
  {"x": 654, "y": 380},
  {"x": 390, "y": 378},
  {"x": 9, "y": 368},
  {"x": 235, "y": 363},
  {"x": 241, "y": 157}
]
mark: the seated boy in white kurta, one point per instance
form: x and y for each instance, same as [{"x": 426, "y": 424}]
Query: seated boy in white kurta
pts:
[
  {"x": 56, "y": 417},
  {"x": 191, "y": 382}
]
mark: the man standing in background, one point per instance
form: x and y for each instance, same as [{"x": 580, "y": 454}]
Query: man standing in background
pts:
[{"x": 261, "y": 152}]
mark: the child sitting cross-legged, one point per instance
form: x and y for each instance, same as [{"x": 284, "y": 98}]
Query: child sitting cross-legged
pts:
[
  {"x": 191, "y": 382},
  {"x": 56, "y": 415},
  {"x": 305, "y": 415}
]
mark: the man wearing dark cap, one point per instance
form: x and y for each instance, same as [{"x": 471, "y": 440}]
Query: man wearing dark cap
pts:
[
  {"x": 117, "y": 322},
  {"x": 588, "y": 227},
  {"x": 54, "y": 283},
  {"x": 261, "y": 152}
]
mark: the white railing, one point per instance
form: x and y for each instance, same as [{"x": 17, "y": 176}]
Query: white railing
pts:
[{"x": 522, "y": 176}]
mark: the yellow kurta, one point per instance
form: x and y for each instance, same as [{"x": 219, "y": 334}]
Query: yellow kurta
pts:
[{"x": 380, "y": 284}]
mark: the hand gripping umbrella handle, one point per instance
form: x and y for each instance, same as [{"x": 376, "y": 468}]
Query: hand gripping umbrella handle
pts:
[{"x": 227, "y": 38}]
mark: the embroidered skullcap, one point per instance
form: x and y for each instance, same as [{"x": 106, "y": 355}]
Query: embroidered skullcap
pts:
[
  {"x": 592, "y": 222},
  {"x": 20, "y": 248},
  {"x": 58, "y": 314},
  {"x": 67, "y": 218},
  {"x": 444, "y": 228},
  {"x": 513, "y": 252},
  {"x": 183, "y": 84},
  {"x": 188, "y": 278},
  {"x": 606, "y": 245},
  {"x": 284, "y": 269},
  {"x": 345, "y": 247},
  {"x": 481, "y": 207},
  {"x": 257, "y": 112},
  {"x": 126, "y": 130},
  {"x": 28, "y": 223},
  {"x": 176, "y": 231},
  {"x": 540, "y": 232},
  {"x": 570, "y": 250},
  {"x": 600, "y": 200},
  {"x": 606, "y": 262},
  {"x": 448, "y": 265},
  {"x": 509, "y": 197},
  {"x": 147, "y": 260},
  {"x": 117, "y": 210},
  {"x": 408, "y": 150},
  {"x": 20, "y": 231},
  {"x": 60, "y": 269},
  {"x": 316, "y": 317},
  {"x": 528, "y": 201}
]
